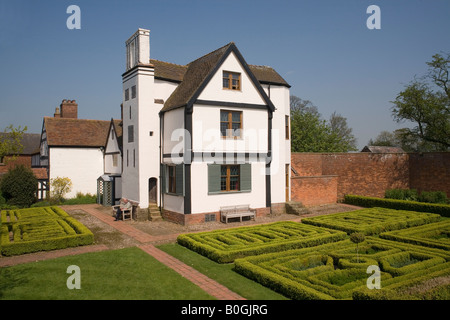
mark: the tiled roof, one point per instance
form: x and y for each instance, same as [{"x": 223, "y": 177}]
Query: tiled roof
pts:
[
  {"x": 40, "y": 173},
  {"x": 195, "y": 74},
  {"x": 168, "y": 71},
  {"x": 77, "y": 132},
  {"x": 191, "y": 76},
  {"x": 30, "y": 142},
  {"x": 382, "y": 149},
  {"x": 268, "y": 75}
]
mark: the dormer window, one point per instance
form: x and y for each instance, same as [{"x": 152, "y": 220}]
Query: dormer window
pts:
[{"x": 231, "y": 80}]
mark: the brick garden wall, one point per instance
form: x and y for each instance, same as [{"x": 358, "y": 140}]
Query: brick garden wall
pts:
[
  {"x": 367, "y": 174},
  {"x": 319, "y": 175},
  {"x": 430, "y": 171}
]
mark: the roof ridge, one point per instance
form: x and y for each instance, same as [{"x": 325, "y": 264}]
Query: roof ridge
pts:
[
  {"x": 176, "y": 64},
  {"x": 77, "y": 119},
  {"x": 212, "y": 52}
]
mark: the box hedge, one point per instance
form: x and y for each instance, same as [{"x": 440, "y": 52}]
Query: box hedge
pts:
[
  {"x": 372, "y": 221},
  {"x": 343, "y": 279},
  {"x": 369, "y": 202},
  {"x": 40, "y": 229},
  {"x": 224, "y": 246},
  {"x": 434, "y": 235}
]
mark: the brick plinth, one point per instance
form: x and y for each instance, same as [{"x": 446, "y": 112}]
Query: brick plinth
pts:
[{"x": 199, "y": 218}]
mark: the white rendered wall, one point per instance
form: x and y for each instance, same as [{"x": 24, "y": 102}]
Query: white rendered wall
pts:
[
  {"x": 173, "y": 131},
  {"x": 146, "y": 122},
  {"x": 215, "y": 92},
  {"x": 148, "y": 145},
  {"x": 207, "y": 137},
  {"x": 130, "y": 173},
  {"x": 281, "y": 148},
  {"x": 83, "y": 166},
  {"x": 112, "y": 150},
  {"x": 203, "y": 202}
]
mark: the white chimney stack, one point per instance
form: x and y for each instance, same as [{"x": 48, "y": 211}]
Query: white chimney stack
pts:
[{"x": 138, "y": 49}]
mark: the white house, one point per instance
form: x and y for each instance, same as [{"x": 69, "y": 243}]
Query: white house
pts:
[
  {"x": 208, "y": 134},
  {"x": 74, "y": 148}
]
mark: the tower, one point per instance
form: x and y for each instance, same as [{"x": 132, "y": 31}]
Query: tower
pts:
[{"x": 140, "y": 121}]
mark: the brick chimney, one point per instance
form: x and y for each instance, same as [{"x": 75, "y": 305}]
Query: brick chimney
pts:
[{"x": 69, "y": 109}]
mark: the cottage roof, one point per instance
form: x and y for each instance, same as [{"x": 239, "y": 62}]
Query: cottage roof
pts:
[
  {"x": 30, "y": 142},
  {"x": 65, "y": 132}
]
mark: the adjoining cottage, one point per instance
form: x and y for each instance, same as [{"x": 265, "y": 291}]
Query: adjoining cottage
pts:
[{"x": 74, "y": 148}]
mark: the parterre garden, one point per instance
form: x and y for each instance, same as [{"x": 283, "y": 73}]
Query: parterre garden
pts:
[
  {"x": 37, "y": 229},
  {"x": 316, "y": 259}
]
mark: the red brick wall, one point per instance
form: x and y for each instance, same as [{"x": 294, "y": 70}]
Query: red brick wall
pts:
[
  {"x": 312, "y": 191},
  {"x": 368, "y": 174},
  {"x": 198, "y": 218},
  {"x": 19, "y": 160},
  {"x": 307, "y": 164},
  {"x": 430, "y": 171}
]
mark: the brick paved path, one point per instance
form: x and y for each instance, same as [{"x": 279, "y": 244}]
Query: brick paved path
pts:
[{"x": 210, "y": 286}]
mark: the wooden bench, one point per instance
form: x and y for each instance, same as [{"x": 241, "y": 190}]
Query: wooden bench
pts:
[
  {"x": 127, "y": 214},
  {"x": 240, "y": 211}
]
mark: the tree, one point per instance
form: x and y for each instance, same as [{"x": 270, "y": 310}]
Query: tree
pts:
[
  {"x": 11, "y": 141},
  {"x": 310, "y": 133},
  {"x": 340, "y": 128},
  {"x": 59, "y": 187},
  {"x": 385, "y": 139},
  {"x": 401, "y": 138},
  {"x": 428, "y": 109},
  {"x": 303, "y": 106},
  {"x": 19, "y": 186},
  {"x": 357, "y": 238}
]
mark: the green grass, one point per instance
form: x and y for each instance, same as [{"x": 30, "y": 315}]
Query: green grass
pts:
[
  {"x": 222, "y": 273},
  {"x": 128, "y": 274}
]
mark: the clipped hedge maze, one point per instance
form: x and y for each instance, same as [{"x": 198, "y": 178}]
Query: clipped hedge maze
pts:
[
  {"x": 225, "y": 246},
  {"x": 40, "y": 229},
  {"x": 434, "y": 235},
  {"x": 373, "y": 220},
  {"x": 332, "y": 271}
]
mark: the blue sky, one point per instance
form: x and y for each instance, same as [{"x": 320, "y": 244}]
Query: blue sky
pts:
[{"x": 322, "y": 48}]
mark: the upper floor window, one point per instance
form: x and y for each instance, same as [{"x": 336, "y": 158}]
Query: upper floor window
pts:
[
  {"x": 127, "y": 94},
  {"x": 286, "y": 127},
  {"x": 230, "y": 124},
  {"x": 231, "y": 80},
  {"x": 133, "y": 92},
  {"x": 131, "y": 133}
]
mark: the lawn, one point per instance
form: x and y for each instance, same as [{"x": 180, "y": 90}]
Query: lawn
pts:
[
  {"x": 222, "y": 273},
  {"x": 124, "y": 274},
  {"x": 278, "y": 261}
]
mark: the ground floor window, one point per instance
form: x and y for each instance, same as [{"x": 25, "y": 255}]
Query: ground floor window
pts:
[
  {"x": 229, "y": 178},
  {"x": 173, "y": 179}
]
